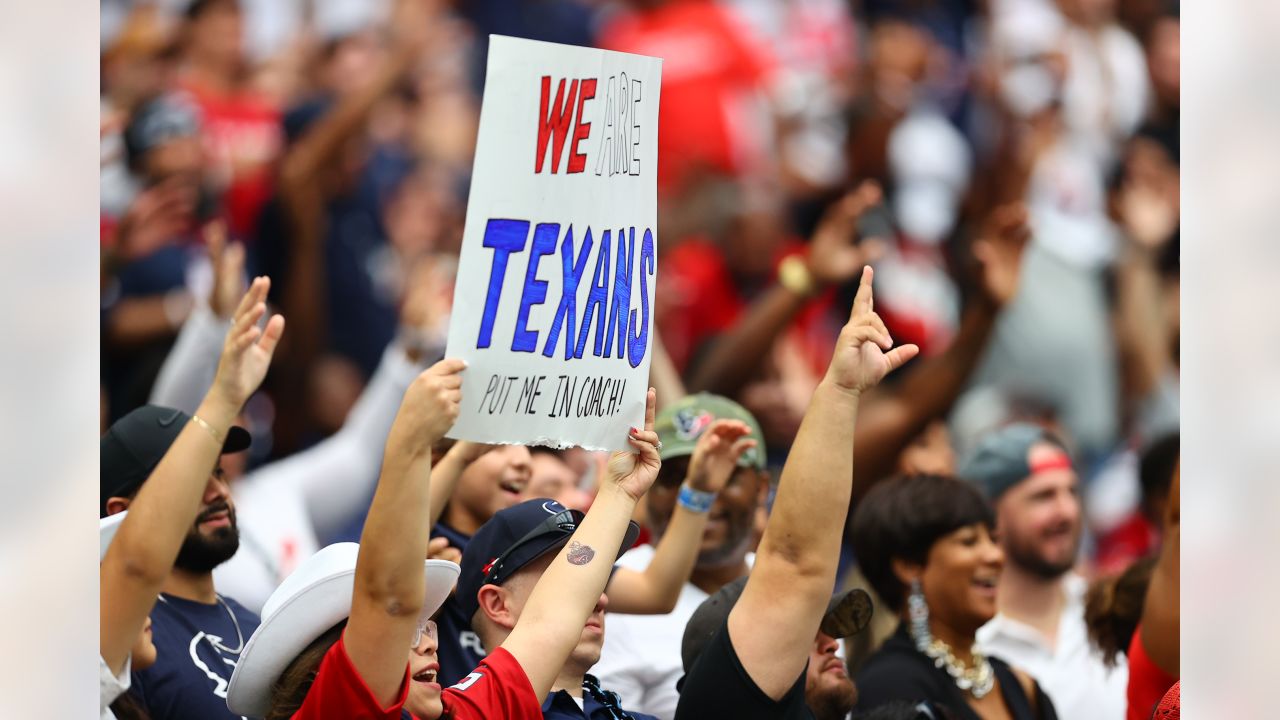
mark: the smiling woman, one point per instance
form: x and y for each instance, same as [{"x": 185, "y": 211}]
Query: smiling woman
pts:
[{"x": 924, "y": 542}]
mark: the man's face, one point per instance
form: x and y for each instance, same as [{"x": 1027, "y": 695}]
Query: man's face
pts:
[
  {"x": 728, "y": 533},
  {"x": 1038, "y": 519},
  {"x": 520, "y": 586},
  {"x": 214, "y": 537},
  {"x": 828, "y": 690}
]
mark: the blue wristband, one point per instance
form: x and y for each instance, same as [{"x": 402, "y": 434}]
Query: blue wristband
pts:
[{"x": 696, "y": 500}]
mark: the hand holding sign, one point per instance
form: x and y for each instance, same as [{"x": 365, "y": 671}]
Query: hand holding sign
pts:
[
  {"x": 429, "y": 408},
  {"x": 634, "y": 473},
  {"x": 863, "y": 357}
]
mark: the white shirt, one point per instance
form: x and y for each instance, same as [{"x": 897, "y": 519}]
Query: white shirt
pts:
[
  {"x": 640, "y": 659},
  {"x": 111, "y": 686},
  {"x": 1071, "y": 672}
]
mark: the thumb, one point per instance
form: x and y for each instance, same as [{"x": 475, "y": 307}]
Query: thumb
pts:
[{"x": 900, "y": 355}]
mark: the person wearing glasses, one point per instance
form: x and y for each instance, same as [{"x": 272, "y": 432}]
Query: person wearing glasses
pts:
[
  {"x": 322, "y": 652},
  {"x": 753, "y": 665}
]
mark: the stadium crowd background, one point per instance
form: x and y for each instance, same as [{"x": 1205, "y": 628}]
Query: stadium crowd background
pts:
[{"x": 328, "y": 145}]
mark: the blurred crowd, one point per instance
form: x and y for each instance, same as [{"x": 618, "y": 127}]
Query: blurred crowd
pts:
[{"x": 1009, "y": 168}]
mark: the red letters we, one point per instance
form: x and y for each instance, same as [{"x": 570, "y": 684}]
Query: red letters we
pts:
[{"x": 553, "y": 123}]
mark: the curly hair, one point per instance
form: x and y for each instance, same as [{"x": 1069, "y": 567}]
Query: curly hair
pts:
[{"x": 1113, "y": 607}]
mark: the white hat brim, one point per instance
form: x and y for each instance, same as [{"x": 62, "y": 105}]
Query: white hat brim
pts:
[
  {"x": 297, "y": 620},
  {"x": 107, "y": 529}
]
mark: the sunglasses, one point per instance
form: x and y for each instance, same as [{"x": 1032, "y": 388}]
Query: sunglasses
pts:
[{"x": 562, "y": 524}]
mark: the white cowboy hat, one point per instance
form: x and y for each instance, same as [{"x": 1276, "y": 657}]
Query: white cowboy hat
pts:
[
  {"x": 313, "y": 599},
  {"x": 107, "y": 528}
]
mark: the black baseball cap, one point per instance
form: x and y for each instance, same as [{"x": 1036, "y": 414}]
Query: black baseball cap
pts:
[
  {"x": 848, "y": 613},
  {"x": 133, "y": 446},
  {"x": 512, "y": 539}
]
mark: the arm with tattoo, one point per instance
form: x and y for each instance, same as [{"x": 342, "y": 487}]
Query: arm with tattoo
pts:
[{"x": 561, "y": 602}]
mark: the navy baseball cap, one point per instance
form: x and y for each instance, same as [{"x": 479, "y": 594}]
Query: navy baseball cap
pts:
[
  {"x": 512, "y": 539},
  {"x": 134, "y": 445}
]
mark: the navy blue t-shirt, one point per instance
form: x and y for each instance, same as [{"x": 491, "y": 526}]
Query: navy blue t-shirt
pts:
[
  {"x": 197, "y": 647},
  {"x": 460, "y": 647}
]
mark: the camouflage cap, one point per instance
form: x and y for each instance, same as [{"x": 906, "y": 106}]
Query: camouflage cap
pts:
[{"x": 680, "y": 425}]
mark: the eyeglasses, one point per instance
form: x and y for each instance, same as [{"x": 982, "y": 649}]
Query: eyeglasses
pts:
[
  {"x": 427, "y": 628},
  {"x": 608, "y": 698},
  {"x": 562, "y": 524}
]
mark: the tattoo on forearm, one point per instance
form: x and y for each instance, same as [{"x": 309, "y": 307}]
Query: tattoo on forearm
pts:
[{"x": 580, "y": 554}]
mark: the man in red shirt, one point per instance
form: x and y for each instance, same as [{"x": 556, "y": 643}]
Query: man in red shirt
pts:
[{"x": 241, "y": 128}]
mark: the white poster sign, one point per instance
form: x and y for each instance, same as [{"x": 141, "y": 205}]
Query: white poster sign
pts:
[{"x": 553, "y": 310}]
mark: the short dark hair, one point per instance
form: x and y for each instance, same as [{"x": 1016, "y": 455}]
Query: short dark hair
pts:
[{"x": 902, "y": 518}]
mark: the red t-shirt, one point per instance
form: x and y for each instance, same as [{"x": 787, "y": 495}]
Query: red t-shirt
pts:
[
  {"x": 1147, "y": 682},
  {"x": 714, "y": 71},
  {"x": 243, "y": 138},
  {"x": 498, "y": 688}
]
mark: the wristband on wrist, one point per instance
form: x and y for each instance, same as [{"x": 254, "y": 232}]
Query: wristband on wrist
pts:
[
  {"x": 209, "y": 428},
  {"x": 696, "y": 500},
  {"x": 794, "y": 275}
]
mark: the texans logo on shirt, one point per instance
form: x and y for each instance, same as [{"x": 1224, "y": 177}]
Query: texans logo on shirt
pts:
[{"x": 689, "y": 424}]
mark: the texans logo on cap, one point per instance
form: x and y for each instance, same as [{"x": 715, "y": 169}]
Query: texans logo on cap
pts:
[
  {"x": 689, "y": 425},
  {"x": 552, "y": 507}
]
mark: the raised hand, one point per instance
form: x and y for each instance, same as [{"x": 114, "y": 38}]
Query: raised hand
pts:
[
  {"x": 835, "y": 255},
  {"x": 634, "y": 473},
  {"x": 247, "y": 352},
  {"x": 156, "y": 217},
  {"x": 227, "y": 260},
  {"x": 999, "y": 252},
  {"x": 430, "y": 407},
  {"x": 717, "y": 453},
  {"x": 864, "y": 352}
]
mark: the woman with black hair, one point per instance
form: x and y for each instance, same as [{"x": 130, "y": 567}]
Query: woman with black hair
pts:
[{"x": 924, "y": 543}]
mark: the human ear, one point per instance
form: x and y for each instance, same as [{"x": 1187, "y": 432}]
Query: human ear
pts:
[
  {"x": 495, "y": 605},
  {"x": 117, "y": 505}
]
